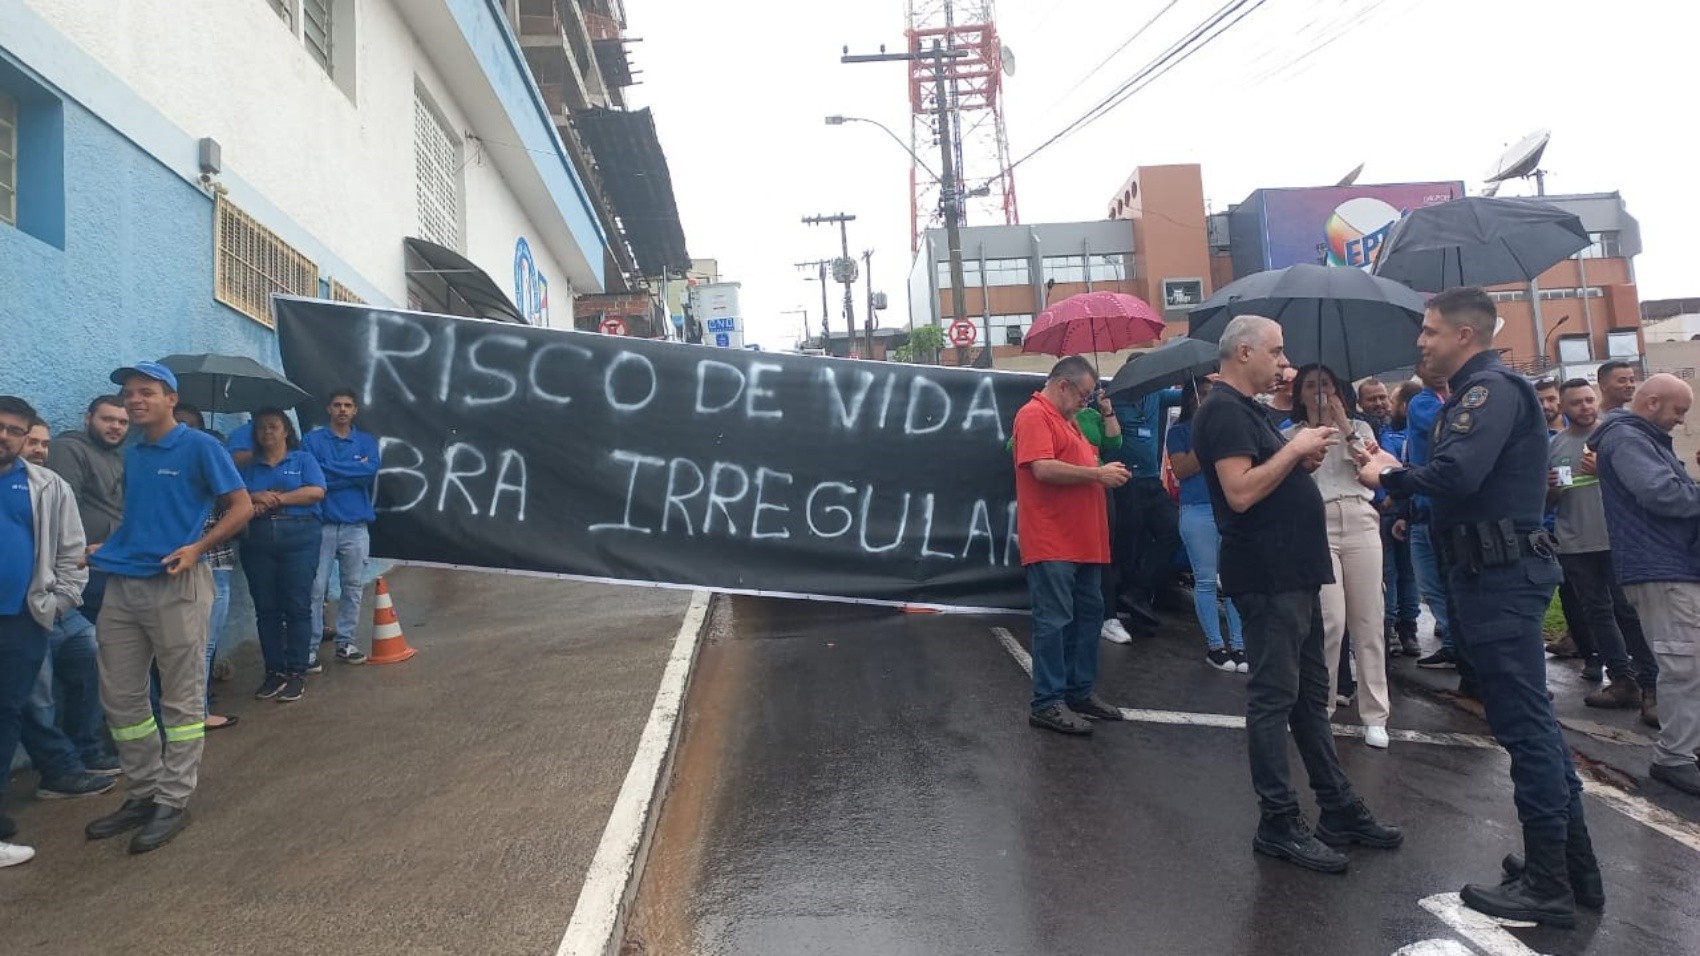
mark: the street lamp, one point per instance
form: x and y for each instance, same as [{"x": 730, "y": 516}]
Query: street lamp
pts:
[{"x": 841, "y": 120}]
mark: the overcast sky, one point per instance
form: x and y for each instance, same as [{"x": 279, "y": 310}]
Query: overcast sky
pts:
[{"x": 1295, "y": 95}]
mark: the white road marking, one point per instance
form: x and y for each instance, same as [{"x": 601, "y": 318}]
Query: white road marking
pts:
[
  {"x": 1236, "y": 722},
  {"x": 599, "y": 916},
  {"x": 1639, "y": 809},
  {"x": 1485, "y": 932},
  {"x": 1436, "y": 947},
  {"x": 1646, "y": 813}
]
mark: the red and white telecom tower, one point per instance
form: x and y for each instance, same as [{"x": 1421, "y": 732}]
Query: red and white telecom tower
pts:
[{"x": 974, "y": 108}]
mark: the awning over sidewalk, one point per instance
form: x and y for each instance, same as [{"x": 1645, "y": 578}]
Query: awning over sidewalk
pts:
[
  {"x": 452, "y": 280},
  {"x": 634, "y": 170}
]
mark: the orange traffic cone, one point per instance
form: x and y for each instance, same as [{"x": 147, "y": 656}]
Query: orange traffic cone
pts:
[{"x": 389, "y": 645}]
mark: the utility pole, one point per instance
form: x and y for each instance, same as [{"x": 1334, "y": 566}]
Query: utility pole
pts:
[
  {"x": 950, "y": 191},
  {"x": 825, "y": 328},
  {"x": 843, "y": 270},
  {"x": 868, "y": 276}
]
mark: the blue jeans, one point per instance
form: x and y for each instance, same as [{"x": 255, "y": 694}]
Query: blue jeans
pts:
[
  {"x": 1430, "y": 582},
  {"x": 1204, "y": 549},
  {"x": 62, "y": 720},
  {"x": 278, "y": 558},
  {"x": 215, "y": 624},
  {"x": 1398, "y": 577},
  {"x": 347, "y": 546},
  {"x": 1068, "y": 613},
  {"x": 23, "y": 646}
]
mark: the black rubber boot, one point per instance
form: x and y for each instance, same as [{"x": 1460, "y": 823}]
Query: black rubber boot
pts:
[
  {"x": 1579, "y": 861},
  {"x": 1540, "y": 895}
]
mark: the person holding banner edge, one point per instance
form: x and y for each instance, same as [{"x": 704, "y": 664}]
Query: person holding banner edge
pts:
[{"x": 1065, "y": 542}]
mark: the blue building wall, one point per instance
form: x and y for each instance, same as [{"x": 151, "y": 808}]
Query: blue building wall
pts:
[{"x": 133, "y": 281}]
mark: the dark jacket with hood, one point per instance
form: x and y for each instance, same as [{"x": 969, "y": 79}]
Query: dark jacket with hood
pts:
[
  {"x": 96, "y": 476},
  {"x": 1652, "y": 505}
]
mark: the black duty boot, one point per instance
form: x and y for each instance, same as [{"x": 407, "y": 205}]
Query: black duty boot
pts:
[
  {"x": 1406, "y": 631},
  {"x": 1540, "y": 895},
  {"x": 167, "y": 822},
  {"x": 1289, "y": 838},
  {"x": 1353, "y": 823},
  {"x": 134, "y": 813}
]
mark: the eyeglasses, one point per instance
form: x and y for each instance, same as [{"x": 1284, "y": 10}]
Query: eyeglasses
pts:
[{"x": 14, "y": 431}]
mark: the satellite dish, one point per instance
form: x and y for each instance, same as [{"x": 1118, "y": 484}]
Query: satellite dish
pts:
[
  {"x": 1008, "y": 57},
  {"x": 1522, "y": 159},
  {"x": 1491, "y": 189},
  {"x": 1352, "y": 176}
]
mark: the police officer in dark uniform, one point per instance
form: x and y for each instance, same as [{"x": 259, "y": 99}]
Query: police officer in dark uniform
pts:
[{"x": 1486, "y": 481}]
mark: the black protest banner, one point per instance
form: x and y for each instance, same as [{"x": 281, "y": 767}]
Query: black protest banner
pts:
[{"x": 574, "y": 453}]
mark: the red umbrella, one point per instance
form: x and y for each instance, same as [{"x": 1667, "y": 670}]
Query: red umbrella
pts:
[{"x": 1093, "y": 322}]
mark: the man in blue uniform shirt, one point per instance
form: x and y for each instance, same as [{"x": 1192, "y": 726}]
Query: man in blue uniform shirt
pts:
[
  {"x": 158, "y": 604},
  {"x": 349, "y": 458},
  {"x": 1486, "y": 484},
  {"x": 1148, "y": 532}
]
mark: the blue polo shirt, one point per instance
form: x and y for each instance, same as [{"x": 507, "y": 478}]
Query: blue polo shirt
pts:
[
  {"x": 1420, "y": 418},
  {"x": 242, "y": 439},
  {"x": 296, "y": 469},
  {"x": 1195, "y": 489},
  {"x": 17, "y": 538},
  {"x": 1142, "y": 421},
  {"x": 170, "y": 487},
  {"x": 351, "y": 467}
]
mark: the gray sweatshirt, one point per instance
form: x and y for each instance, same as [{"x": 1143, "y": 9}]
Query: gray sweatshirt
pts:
[
  {"x": 56, "y": 580},
  {"x": 96, "y": 477}
]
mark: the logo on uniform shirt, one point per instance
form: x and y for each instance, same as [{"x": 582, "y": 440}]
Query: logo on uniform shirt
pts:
[
  {"x": 1461, "y": 422},
  {"x": 168, "y": 472},
  {"x": 1475, "y": 397}
]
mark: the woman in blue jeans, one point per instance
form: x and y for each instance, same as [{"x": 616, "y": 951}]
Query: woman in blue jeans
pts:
[
  {"x": 280, "y": 551},
  {"x": 1203, "y": 542}
]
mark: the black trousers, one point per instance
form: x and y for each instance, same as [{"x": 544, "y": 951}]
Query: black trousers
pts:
[
  {"x": 1110, "y": 580},
  {"x": 1149, "y": 534},
  {"x": 1613, "y": 627},
  {"x": 1288, "y": 693}
]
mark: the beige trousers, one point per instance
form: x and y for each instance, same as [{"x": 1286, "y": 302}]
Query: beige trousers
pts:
[
  {"x": 1354, "y": 604},
  {"x": 159, "y": 620}
]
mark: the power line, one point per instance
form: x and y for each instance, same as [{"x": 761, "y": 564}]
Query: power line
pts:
[
  {"x": 1288, "y": 68},
  {"x": 1116, "y": 52},
  {"x": 1196, "y": 39}
]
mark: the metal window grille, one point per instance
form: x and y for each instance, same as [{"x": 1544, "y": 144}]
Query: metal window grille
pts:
[
  {"x": 285, "y": 9},
  {"x": 316, "y": 30},
  {"x": 250, "y": 262},
  {"x": 342, "y": 293},
  {"x": 436, "y": 165},
  {"x": 8, "y": 159}
]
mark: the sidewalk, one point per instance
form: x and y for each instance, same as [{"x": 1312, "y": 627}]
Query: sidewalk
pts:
[{"x": 449, "y": 804}]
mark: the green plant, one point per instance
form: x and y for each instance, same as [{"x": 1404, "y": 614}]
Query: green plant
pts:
[
  {"x": 1553, "y": 624},
  {"x": 924, "y": 344}
]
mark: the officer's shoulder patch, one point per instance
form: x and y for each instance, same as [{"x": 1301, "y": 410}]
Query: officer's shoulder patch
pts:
[
  {"x": 1476, "y": 397},
  {"x": 1462, "y": 422}
]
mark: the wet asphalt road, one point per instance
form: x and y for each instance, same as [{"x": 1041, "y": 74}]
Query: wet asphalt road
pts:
[{"x": 858, "y": 781}]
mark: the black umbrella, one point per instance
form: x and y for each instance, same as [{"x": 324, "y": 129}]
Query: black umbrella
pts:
[
  {"x": 1479, "y": 240},
  {"x": 1345, "y": 318},
  {"x": 1172, "y": 363},
  {"x": 231, "y": 383}
]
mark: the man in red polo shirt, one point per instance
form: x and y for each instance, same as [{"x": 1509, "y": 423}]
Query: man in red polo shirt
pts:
[{"x": 1065, "y": 541}]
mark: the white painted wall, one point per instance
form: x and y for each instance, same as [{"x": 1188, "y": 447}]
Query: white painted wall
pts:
[{"x": 342, "y": 169}]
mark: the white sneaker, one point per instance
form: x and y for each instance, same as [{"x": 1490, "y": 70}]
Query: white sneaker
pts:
[
  {"x": 12, "y": 854},
  {"x": 1114, "y": 632},
  {"x": 1376, "y": 737}
]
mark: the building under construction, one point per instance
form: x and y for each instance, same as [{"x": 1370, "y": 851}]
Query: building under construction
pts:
[{"x": 578, "y": 54}]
